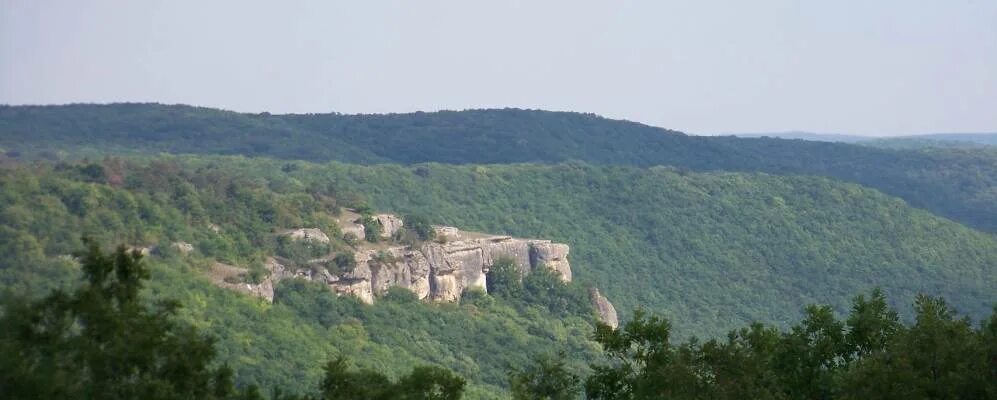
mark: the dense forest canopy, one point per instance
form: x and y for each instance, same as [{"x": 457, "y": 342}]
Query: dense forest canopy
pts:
[
  {"x": 930, "y": 140},
  {"x": 157, "y": 203},
  {"x": 708, "y": 234},
  {"x": 960, "y": 184},
  {"x": 710, "y": 250}
]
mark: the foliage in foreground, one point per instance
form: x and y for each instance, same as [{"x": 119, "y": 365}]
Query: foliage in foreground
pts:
[
  {"x": 869, "y": 355},
  {"x": 102, "y": 341}
]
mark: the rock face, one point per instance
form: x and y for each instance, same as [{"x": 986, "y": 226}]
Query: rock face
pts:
[
  {"x": 446, "y": 233},
  {"x": 604, "y": 309},
  {"x": 554, "y": 256},
  {"x": 390, "y": 224},
  {"x": 235, "y": 278},
  {"x": 145, "y": 251},
  {"x": 443, "y": 271},
  {"x": 308, "y": 234},
  {"x": 352, "y": 228},
  {"x": 435, "y": 271},
  {"x": 183, "y": 247}
]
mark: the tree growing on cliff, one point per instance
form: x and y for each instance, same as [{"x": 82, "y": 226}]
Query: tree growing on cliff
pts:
[
  {"x": 420, "y": 225},
  {"x": 504, "y": 280},
  {"x": 342, "y": 263},
  {"x": 372, "y": 228},
  {"x": 543, "y": 286}
]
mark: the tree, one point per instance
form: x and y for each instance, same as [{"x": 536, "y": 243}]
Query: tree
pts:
[
  {"x": 740, "y": 367},
  {"x": 504, "y": 279},
  {"x": 547, "y": 378},
  {"x": 300, "y": 251},
  {"x": 342, "y": 263},
  {"x": 939, "y": 357},
  {"x": 810, "y": 353},
  {"x": 423, "y": 383},
  {"x": 372, "y": 228},
  {"x": 421, "y": 226},
  {"x": 430, "y": 383},
  {"x": 341, "y": 383},
  {"x": 944, "y": 353},
  {"x": 872, "y": 324},
  {"x": 543, "y": 286},
  {"x": 102, "y": 341},
  {"x": 638, "y": 350}
]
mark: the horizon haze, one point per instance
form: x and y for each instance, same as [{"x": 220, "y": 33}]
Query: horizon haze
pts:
[{"x": 881, "y": 69}]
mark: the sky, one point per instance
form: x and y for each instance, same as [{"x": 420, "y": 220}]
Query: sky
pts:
[{"x": 884, "y": 67}]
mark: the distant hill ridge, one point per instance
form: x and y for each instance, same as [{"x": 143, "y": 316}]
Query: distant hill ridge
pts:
[
  {"x": 959, "y": 184},
  {"x": 905, "y": 141}
]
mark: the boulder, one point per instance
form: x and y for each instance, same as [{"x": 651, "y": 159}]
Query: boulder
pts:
[
  {"x": 143, "y": 250},
  {"x": 359, "y": 288},
  {"x": 356, "y": 230},
  {"x": 552, "y": 255},
  {"x": 446, "y": 233},
  {"x": 235, "y": 278},
  {"x": 183, "y": 247},
  {"x": 390, "y": 224},
  {"x": 308, "y": 234},
  {"x": 604, "y": 309}
]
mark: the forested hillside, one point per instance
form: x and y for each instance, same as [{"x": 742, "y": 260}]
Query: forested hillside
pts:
[
  {"x": 961, "y": 140},
  {"x": 46, "y": 209},
  {"x": 101, "y": 339},
  {"x": 932, "y": 140},
  {"x": 711, "y": 250},
  {"x": 960, "y": 184},
  {"x": 711, "y": 233}
]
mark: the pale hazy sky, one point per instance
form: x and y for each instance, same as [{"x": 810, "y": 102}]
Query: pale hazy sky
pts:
[{"x": 856, "y": 66}]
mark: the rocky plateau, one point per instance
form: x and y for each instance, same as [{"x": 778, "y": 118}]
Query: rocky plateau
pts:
[{"x": 440, "y": 270}]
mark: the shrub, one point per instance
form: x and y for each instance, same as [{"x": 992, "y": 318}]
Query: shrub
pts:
[
  {"x": 300, "y": 251},
  {"x": 398, "y": 294},
  {"x": 384, "y": 257},
  {"x": 372, "y": 228},
  {"x": 503, "y": 279},
  {"x": 420, "y": 225},
  {"x": 351, "y": 239},
  {"x": 342, "y": 263},
  {"x": 257, "y": 272},
  {"x": 477, "y": 297}
]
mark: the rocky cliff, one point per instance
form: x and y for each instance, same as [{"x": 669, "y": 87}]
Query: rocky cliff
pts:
[{"x": 439, "y": 270}]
